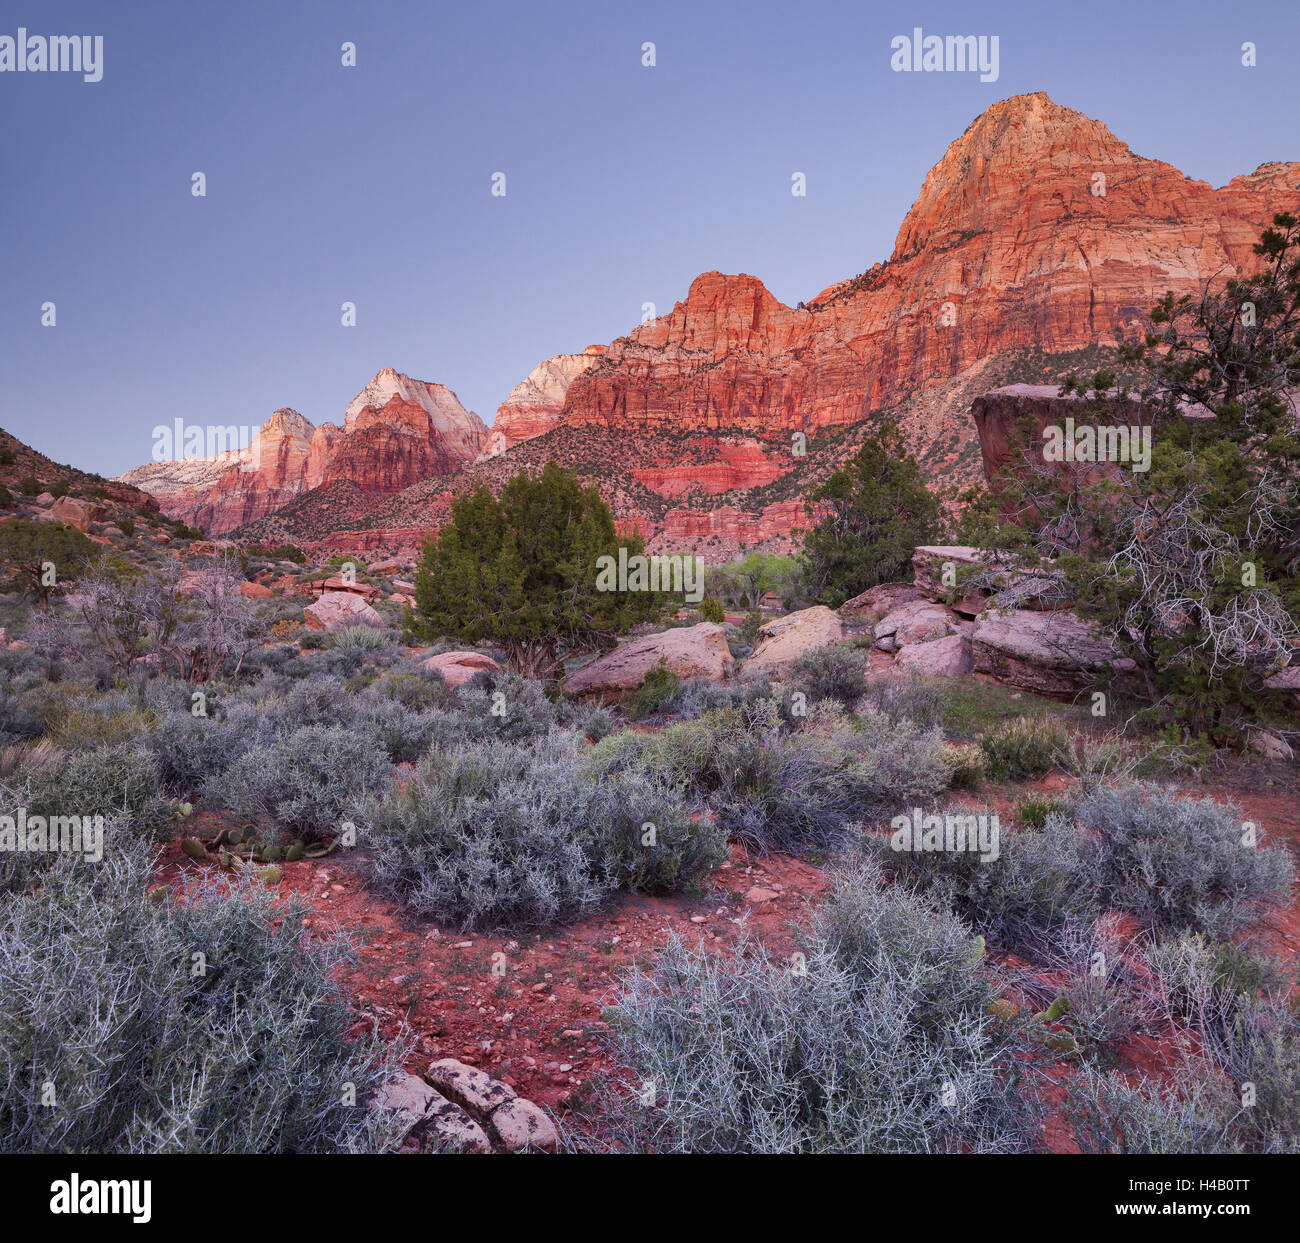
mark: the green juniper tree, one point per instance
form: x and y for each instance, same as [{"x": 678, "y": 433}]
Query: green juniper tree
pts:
[
  {"x": 520, "y": 573},
  {"x": 41, "y": 555},
  {"x": 877, "y": 509}
]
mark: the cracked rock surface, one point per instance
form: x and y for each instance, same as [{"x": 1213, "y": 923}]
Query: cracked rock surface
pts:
[{"x": 465, "y": 1109}]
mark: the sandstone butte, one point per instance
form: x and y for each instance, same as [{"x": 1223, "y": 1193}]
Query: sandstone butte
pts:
[
  {"x": 396, "y": 432},
  {"x": 1010, "y": 247},
  {"x": 1007, "y": 246}
]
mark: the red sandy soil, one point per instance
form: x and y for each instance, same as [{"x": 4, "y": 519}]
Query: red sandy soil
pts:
[{"x": 537, "y": 1026}]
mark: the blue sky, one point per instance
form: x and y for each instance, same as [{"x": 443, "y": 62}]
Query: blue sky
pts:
[{"x": 371, "y": 184}]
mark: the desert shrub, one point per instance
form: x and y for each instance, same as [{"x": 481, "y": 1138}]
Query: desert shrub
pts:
[
  {"x": 413, "y": 688},
  {"x": 696, "y": 696},
  {"x": 308, "y": 782},
  {"x": 1242, "y": 1008},
  {"x": 361, "y": 639},
  {"x": 1234, "y": 969},
  {"x": 29, "y": 485},
  {"x": 191, "y": 751},
  {"x": 339, "y": 663},
  {"x": 1041, "y": 880},
  {"x": 831, "y": 673},
  {"x": 119, "y": 782},
  {"x": 1032, "y": 810},
  {"x": 126, "y": 526},
  {"x": 655, "y": 693},
  {"x": 19, "y": 868},
  {"x": 1097, "y": 760},
  {"x": 1024, "y": 748},
  {"x": 712, "y": 611},
  {"x": 923, "y": 701},
  {"x": 76, "y": 720},
  {"x": 145, "y": 1055},
  {"x": 850, "y": 1054},
  {"x": 1180, "y": 862},
  {"x": 508, "y": 708},
  {"x": 522, "y": 835},
  {"x": 20, "y": 717},
  {"x": 595, "y": 723},
  {"x": 1191, "y": 1114},
  {"x": 404, "y": 735},
  {"x": 315, "y": 700},
  {"x": 1174, "y": 863},
  {"x": 967, "y": 765},
  {"x": 1105, "y": 998},
  {"x": 312, "y": 640},
  {"x": 787, "y": 790},
  {"x": 742, "y": 636},
  {"x": 1260, "y": 1046},
  {"x": 278, "y": 659}
]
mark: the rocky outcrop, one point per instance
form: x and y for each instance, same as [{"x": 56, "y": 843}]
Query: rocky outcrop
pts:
[
  {"x": 396, "y": 432},
  {"x": 731, "y": 466},
  {"x": 917, "y": 621},
  {"x": 868, "y": 608},
  {"x": 689, "y": 651},
  {"x": 251, "y": 482},
  {"x": 431, "y": 1121},
  {"x": 337, "y": 609},
  {"x": 458, "y": 668},
  {"x": 464, "y": 1109},
  {"x": 949, "y": 657},
  {"x": 534, "y": 405},
  {"x": 71, "y": 512},
  {"x": 970, "y": 580},
  {"x": 1286, "y": 685},
  {"x": 937, "y": 569},
  {"x": 1037, "y": 230},
  {"x": 1047, "y": 653},
  {"x": 1018, "y": 424},
  {"x": 1012, "y": 243},
  {"x": 778, "y": 644}
]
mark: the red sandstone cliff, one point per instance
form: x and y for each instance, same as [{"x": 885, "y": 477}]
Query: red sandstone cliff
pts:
[
  {"x": 534, "y": 405},
  {"x": 396, "y": 432},
  {"x": 1038, "y": 230}
]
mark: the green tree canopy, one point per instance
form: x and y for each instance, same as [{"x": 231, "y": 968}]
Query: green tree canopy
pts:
[
  {"x": 42, "y": 555},
  {"x": 877, "y": 509},
  {"x": 520, "y": 573}
]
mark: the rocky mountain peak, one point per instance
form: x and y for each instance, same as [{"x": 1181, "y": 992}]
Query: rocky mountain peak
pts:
[{"x": 1022, "y": 142}]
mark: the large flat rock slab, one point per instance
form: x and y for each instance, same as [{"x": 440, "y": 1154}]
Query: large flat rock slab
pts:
[
  {"x": 917, "y": 621},
  {"x": 949, "y": 657},
  {"x": 338, "y": 609},
  {"x": 780, "y": 642},
  {"x": 1047, "y": 653},
  {"x": 458, "y": 668},
  {"x": 689, "y": 651},
  {"x": 868, "y": 608}
]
